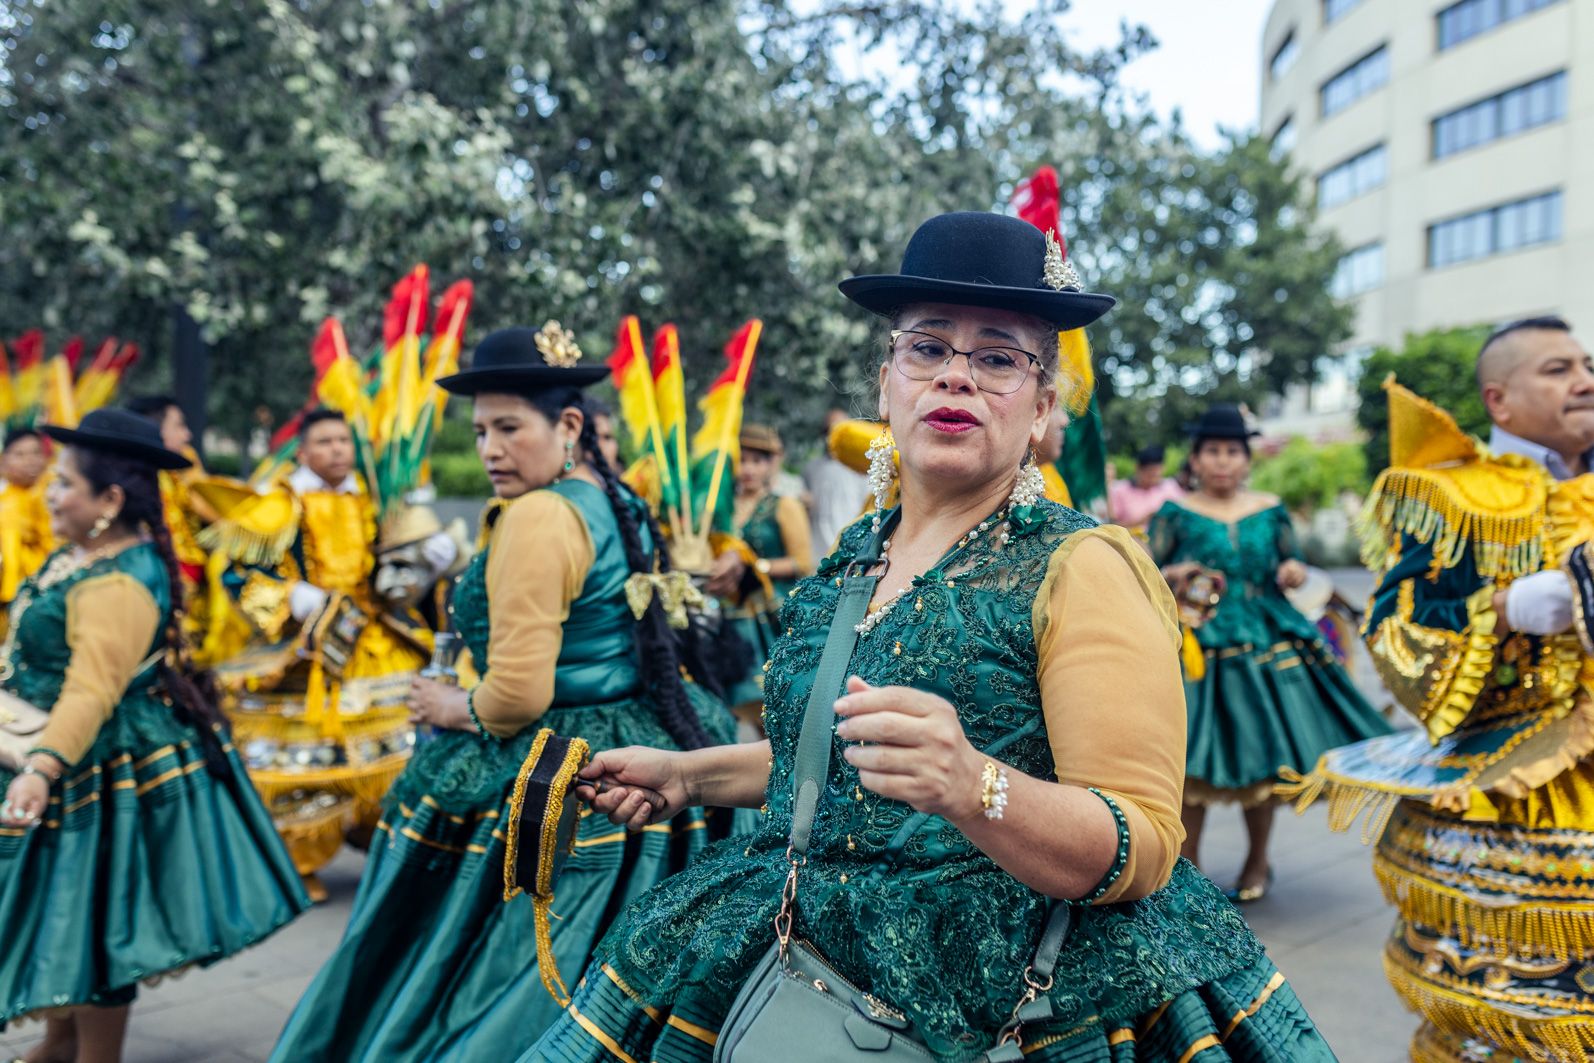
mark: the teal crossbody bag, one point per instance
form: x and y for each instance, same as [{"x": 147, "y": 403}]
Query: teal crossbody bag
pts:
[{"x": 794, "y": 1006}]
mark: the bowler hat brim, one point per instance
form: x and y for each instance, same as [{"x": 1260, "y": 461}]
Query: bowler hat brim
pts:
[
  {"x": 517, "y": 378},
  {"x": 117, "y": 443},
  {"x": 886, "y": 293}
]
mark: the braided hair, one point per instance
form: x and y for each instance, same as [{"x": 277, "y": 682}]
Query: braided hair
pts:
[
  {"x": 193, "y": 693},
  {"x": 656, "y": 642}
]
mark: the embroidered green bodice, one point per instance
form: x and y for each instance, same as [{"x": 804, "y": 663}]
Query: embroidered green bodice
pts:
[
  {"x": 1248, "y": 552},
  {"x": 40, "y": 655},
  {"x": 597, "y": 655},
  {"x": 901, "y": 902}
]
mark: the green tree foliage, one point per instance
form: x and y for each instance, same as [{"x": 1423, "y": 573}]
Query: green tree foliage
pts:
[
  {"x": 263, "y": 163},
  {"x": 1223, "y": 286},
  {"x": 1438, "y": 365}
]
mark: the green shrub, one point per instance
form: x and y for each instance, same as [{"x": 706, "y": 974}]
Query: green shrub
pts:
[
  {"x": 456, "y": 469},
  {"x": 457, "y": 475},
  {"x": 1308, "y": 476}
]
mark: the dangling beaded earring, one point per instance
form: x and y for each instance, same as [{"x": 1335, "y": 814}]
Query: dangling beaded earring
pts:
[
  {"x": 570, "y": 456},
  {"x": 101, "y": 526},
  {"x": 882, "y": 473},
  {"x": 1030, "y": 487}
]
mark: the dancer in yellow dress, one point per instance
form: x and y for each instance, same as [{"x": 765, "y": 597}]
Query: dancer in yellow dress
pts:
[{"x": 25, "y": 537}]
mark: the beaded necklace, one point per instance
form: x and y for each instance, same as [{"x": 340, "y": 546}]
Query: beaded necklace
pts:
[{"x": 878, "y": 613}]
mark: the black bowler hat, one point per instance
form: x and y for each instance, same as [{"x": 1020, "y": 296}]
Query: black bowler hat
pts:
[
  {"x": 1221, "y": 421},
  {"x": 518, "y": 359},
  {"x": 974, "y": 258},
  {"x": 120, "y": 432}
]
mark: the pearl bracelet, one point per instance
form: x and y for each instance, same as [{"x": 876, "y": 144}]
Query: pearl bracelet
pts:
[{"x": 993, "y": 790}]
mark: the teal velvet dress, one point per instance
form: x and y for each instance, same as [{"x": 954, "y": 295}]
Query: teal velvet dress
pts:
[
  {"x": 1273, "y": 695},
  {"x": 147, "y": 862},
  {"x": 434, "y": 964},
  {"x": 757, "y": 620},
  {"x": 901, "y": 903}
]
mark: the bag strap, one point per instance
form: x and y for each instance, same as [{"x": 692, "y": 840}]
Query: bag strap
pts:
[{"x": 814, "y": 743}]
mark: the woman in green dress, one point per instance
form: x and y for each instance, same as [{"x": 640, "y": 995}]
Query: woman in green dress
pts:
[
  {"x": 1010, "y": 735},
  {"x": 775, "y": 527},
  {"x": 434, "y": 964},
  {"x": 132, "y": 845},
  {"x": 1268, "y": 692}
]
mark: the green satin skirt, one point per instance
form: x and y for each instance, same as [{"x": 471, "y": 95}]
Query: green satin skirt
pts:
[
  {"x": 1261, "y": 707},
  {"x": 146, "y": 864},
  {"x": 1251, "y": 1015},
  {"x": 434, "y": 965}
]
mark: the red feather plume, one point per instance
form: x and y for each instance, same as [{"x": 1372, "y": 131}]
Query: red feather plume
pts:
[
  {"x": 406, "y": 310},
  {"x": 1039, "y": 202}
]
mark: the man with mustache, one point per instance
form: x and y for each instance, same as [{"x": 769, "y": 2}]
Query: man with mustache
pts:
[{"x": 1480, "y": 627}]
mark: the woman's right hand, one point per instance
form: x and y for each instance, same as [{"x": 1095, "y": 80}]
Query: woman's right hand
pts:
[{"x": 635, "y": 786}]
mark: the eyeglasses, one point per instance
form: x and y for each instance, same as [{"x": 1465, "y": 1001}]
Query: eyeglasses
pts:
[{"x": 923, "y": 355}]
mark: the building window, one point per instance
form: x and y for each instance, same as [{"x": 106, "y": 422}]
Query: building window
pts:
[
  {"x": 1495, "y": 231},
  {"x": 1367, "y": 74},
  {"x": 1283, "y": 139},
  {"x": 1284, "y": 56},
  {"x": 1465, "y": 20},
  {"x": 1513, "y": 111},
  {"x": 1353, "y": 177},
  {"x": 1333, "y": 10},
  {"x": 1359, "y": 271}
]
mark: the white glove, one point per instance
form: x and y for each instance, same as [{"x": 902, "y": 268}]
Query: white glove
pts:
[
  {"x": 439, "y": 552},
  {"x": 1540, "y": 604},
  {"x": 304, "y": 599}
]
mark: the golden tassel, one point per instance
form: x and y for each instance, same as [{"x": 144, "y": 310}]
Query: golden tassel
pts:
[{"x": 315, "y": 694}]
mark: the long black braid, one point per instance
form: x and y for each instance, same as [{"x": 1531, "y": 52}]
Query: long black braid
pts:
[
  {"x": 193, "y": 693},
  {"x": 656, "y": 643}
]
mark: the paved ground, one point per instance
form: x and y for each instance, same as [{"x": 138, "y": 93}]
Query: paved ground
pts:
[{"x": 1323, "y": 923}]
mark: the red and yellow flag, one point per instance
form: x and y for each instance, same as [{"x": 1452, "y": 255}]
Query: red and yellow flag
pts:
[
  {"x": 669, "y": 391},
  {"x": 716, "y": 447},
  {"x": 639, "y": 408}
]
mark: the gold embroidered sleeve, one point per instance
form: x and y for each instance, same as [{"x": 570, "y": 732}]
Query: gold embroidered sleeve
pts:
[
  {"x": 795, "y": 534},
  {"x": 1437, "y": 675},
  {"x": 110, "y": 625},
  {"x": 1107, "y": 639}
]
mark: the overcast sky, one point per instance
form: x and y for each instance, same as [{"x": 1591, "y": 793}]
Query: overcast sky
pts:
[{"x": 1206, "y": 63}]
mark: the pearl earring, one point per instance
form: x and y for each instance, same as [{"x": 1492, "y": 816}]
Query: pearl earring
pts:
[
  {"x": 101, "y": 526},
  {"x": 1030, "y": 487},
  {"x": 882, "y": 473}
]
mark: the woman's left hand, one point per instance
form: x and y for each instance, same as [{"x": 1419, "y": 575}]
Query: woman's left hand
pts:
[
  {"x": 1291, "y": 574},
  {"x": 26, "y": 799},
  {"x": 444, "y": 707},
  {"x": 915, "y": 750}
]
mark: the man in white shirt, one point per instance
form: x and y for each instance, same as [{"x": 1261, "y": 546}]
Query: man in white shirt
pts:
[{"x": 835, "y": 493}]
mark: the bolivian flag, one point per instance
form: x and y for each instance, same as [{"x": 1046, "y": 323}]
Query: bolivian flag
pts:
[{"x": 715, "y": 447}]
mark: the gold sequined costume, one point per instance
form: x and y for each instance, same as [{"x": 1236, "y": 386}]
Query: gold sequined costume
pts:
[
  {"x": 1484, "y": 816},
  {"x": 317, "y": 701}
]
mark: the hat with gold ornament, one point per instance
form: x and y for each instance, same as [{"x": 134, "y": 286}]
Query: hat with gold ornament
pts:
[
  {"x": 975, "y": 258},
  {"x": 525, "y": 359}
]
